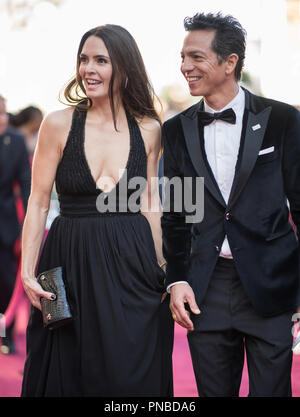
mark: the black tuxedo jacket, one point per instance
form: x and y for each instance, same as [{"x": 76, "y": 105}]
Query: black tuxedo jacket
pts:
[
  {"x": 14, "y": 167},
  {"x": 256, "y": 219}
]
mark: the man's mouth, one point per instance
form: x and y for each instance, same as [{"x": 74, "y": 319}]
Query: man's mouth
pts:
[{"x": 192, "y": 79}]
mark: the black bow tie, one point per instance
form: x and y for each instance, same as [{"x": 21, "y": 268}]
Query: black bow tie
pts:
[{"x": 206, "y": 118}]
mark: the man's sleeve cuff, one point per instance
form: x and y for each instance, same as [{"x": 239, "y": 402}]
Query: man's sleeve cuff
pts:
[{"x": 174, "y": 283}]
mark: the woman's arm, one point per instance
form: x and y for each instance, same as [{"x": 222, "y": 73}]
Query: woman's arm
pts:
[
  {"x": 46, "y": 158},
  {"x": 150, "y": 201}
]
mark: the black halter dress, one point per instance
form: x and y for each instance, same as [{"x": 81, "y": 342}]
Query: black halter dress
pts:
[{"x": 120, "y": 343}]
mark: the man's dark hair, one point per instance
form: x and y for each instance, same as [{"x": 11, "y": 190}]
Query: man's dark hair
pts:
[{"x": 230, "y": 36}]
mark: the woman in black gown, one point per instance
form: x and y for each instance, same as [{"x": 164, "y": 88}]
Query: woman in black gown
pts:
[{"x": 120, "y": 342}]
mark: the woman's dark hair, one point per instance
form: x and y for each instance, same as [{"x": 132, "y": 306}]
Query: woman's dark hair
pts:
[
  {"x": 136, "y": 91},
  {"x": 230, "y": 36},
  {"x": 24, "y": 116}
]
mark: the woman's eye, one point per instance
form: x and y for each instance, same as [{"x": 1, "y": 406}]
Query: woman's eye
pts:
[{"x": 101, "y": 61}]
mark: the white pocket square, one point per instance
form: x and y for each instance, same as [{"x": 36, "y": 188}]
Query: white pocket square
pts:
[{"x": 267, "y": 150}]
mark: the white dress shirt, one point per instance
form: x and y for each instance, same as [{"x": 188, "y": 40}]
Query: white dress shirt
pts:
[{"x": 222, "y": 143}]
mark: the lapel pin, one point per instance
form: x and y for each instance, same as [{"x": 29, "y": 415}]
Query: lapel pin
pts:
[{"x": 256, "y": 127}]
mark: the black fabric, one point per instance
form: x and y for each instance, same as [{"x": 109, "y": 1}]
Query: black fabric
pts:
[
  {"x": 14, "y": 168},
  {"x": 120, "y": 343},
  {"x": 256, "y": 218},
  {"x": 227, "y": 326},
  {"x": 8, "y": 272},
  {"x": 206, "y": 118}
]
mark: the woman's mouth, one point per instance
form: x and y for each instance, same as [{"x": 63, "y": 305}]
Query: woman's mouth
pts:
[{"x": 92, "y": 84}]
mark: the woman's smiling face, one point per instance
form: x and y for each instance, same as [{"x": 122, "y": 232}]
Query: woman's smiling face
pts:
[{"x": 95, "y": 68}]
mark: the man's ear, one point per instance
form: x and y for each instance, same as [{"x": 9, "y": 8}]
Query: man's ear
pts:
[{"x": 231, "y": 63}]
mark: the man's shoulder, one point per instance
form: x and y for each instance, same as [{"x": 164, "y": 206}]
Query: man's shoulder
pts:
[
  {"x": 174, "y": 120},
  {"x": 279, "y": 108}
]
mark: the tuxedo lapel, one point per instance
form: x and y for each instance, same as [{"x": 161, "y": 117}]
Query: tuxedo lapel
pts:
[
  {"x": 256, "y": 125},
  {"x": 191, "y": 134},
  {"x": 254, "y": 131}
]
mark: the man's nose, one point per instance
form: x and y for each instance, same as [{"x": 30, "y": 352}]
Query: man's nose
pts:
[{"x": 187, "y": 65}]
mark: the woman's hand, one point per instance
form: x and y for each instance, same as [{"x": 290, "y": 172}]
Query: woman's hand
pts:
[
  {"x": 163, "y": 297},
  {"x": 163, "y": 265},
  {"x": 34, "y": 292}
]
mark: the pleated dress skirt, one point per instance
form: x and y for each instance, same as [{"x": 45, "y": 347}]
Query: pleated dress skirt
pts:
[{"x": 120, "y": 342}]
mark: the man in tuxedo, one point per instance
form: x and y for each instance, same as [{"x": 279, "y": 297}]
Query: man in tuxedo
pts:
[
  {"x": 14, "y": 169},
  {"x": 233, "y": 277}
]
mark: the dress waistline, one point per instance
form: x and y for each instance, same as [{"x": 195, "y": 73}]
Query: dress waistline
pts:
[{"x": 86, "y": 206}]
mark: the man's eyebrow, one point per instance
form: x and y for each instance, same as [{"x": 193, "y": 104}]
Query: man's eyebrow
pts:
[{"x": 193, "y": 51}]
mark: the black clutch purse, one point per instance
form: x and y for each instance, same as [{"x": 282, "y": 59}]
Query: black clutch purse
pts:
[{"x": 58, "y": 312}]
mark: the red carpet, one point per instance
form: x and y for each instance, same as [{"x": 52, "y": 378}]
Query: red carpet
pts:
[
  {"x": 184, "y": 381},
  {"x": 11, "y": 367}
]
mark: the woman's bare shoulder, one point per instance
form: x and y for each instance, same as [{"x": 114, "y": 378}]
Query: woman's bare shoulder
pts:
[
  {"x": 59, "y": 118},
  {"x": 151, "y": 132},
  {"x": 57, "y": 124},
  {"x": 55, "y": 128},
  {"x": 149, "y": 124}
]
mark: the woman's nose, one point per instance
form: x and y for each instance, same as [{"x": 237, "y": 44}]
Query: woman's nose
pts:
[{"x": 90, "y": 67}]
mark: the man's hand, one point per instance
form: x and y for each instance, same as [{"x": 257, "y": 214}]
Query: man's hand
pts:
[{"x": 180, "y": 294}]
